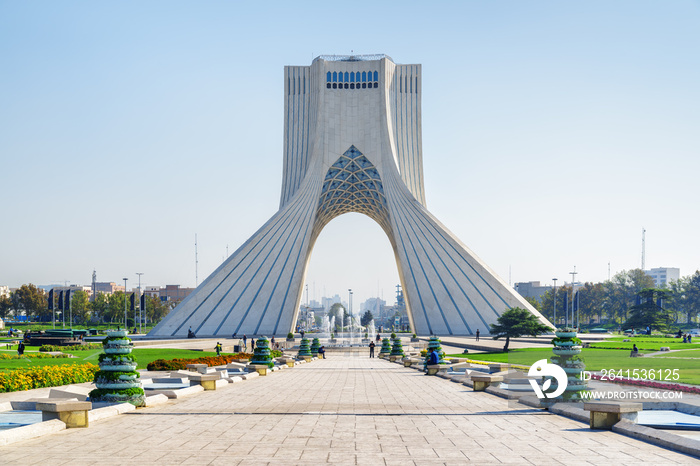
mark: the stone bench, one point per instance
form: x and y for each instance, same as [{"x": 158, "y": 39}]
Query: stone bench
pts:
[
  {"x": 665, "y": 348},
  {"x": 483, "y": 381},
  {"x": 261, "y": 369},
  {"x": 498, "y": 367},
  {"x": 207, "y": 381},
  {"x": 196, "y": 367},
  {"x": 605, "y": 414},
  {"x": 433, "y": 369},
  {"x": 72, "y": 413}
]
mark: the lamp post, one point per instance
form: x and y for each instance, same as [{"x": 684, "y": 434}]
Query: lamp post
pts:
[
  {"x": 573, "y": 293},
  {"x": 555, "y": 301},
  {"x": 125, "y": 300},
  {"x": 140, "y": 310}
]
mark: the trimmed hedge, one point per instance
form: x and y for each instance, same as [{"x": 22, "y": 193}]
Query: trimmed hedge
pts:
[{"x": 84, "y": 347}]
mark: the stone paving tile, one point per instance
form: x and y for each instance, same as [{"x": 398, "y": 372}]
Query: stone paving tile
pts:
[{"x": 344, "y": 410}]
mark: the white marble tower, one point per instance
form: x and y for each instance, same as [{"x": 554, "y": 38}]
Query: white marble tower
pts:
[{"x": 352, "y": 143}]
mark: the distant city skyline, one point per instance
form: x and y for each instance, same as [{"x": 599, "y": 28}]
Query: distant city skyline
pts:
[{"x": 128, "y": 128}]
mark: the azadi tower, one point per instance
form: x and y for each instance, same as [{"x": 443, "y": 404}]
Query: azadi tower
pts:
[{"x": 352, "y": 143}]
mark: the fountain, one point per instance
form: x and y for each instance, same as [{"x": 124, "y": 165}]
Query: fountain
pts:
[
  {"x": 371, "y": 331},
  {"x": 326, "y": 326}
]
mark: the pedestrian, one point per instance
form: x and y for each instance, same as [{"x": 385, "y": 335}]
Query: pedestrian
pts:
[
  {"x": 635, "y": 350},
  {"x": 379, "y": 337},
  {"x": 477, "y": 334},
  {"x": 371, "y": 349},
  {"x": 302, "y": 333},
  {"x": 252, "y": 344},
  {"x": 245, "y": 343},
  {"x": 434, "y": 357},
  {"x": 20, "y": 348},
  {"x": 272, "y": 341},
  {"x": 322, "y": 352},
  {"x": 218, "y": 348}
]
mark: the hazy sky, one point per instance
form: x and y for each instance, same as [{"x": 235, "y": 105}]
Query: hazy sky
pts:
[{"x": 552, "y": 133}]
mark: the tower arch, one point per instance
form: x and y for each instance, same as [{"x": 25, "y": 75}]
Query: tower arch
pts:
[{"x": 346, "y": 150}]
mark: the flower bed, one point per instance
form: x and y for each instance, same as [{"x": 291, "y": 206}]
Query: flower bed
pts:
[
  {"x": 178, "y": 364},
  {"x": 46, "y": 376},
  {"x": 32, "y": 356}
]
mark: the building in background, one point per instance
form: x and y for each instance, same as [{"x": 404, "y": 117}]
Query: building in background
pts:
[
  {"x": 73, "y": 289},
  {"x": 662, "y": 276},
  {"x": 531, "y": 289}
]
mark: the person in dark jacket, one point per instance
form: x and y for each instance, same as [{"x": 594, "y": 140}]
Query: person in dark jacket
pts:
[
  {"x": 434, "y": 357},
  {"x": 371, "y": 349}
]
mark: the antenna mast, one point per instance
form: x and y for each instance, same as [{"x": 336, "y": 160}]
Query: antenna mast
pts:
[{"x": 643, "y": 246}]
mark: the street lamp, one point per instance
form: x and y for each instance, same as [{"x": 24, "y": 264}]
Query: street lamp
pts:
[
  {"x": 140, "y": 310},
  {"x": 555, "y": 301},
  {"x": 125, "y": 326}
]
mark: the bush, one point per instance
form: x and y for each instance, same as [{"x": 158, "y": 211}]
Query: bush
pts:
[
  {"x": 83, "y": 347},
  {"x": 46, "y": 376},
  {"x": 290, "y": 336},
  {"x": 179, "y": 364}
]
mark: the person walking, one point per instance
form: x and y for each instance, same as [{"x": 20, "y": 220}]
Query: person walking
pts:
[
  {"x": 245, "y": 343},
  {"x": 322, "y": 352},
  {"x": 477, "y": 334},
  {"x": 252, "y": 344},
  {"x": 218, "y": 348},
  {"x": 371, "y": 349},
  {"x": 20, "y": 348}
]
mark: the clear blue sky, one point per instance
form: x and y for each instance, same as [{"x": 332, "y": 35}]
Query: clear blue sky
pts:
[{"x": 552, "y": 133}]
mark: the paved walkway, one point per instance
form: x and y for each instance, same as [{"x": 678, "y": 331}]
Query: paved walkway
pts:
[{"x": 343, "y": 410}]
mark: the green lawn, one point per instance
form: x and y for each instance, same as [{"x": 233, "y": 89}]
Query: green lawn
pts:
[
  {"x": 651, "y": 343},
  {"x": 598, "y": 359},
  {"x": 143, "y": 356},
  {"x": 681, "y": 354}
]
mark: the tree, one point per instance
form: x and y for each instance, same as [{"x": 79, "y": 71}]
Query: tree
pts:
[
  {"x": 684, "y": 296},
  {"x": 649, "y": 311},
  {"x": 80, "y": 305},
  {"x": 366, "y": 318},
  {"x": 515, "y": 323},
  {"x": 156, "y": 309},
  {"x": 31, "y": 300},
  {"x": 5, "y": 306},
  {"x": 98, "y": 307},
  {"x": 115, "y": 307},
  {"x": 534, "y": 302}
]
